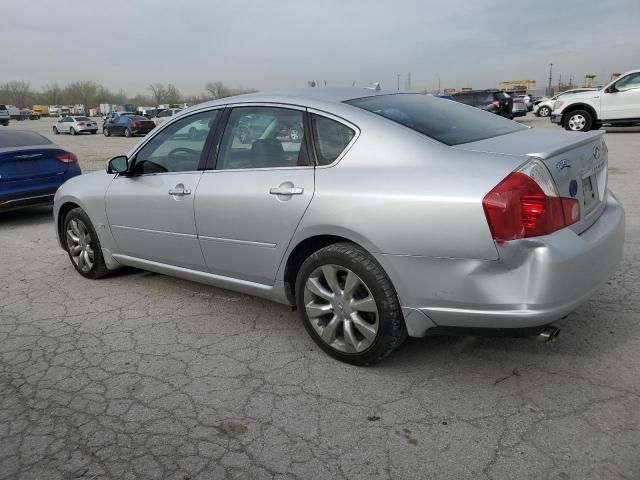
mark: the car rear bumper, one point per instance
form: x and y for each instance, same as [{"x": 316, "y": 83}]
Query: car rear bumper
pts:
[
  {"x": 535, "y": 282},
  {"x": 521, "y": 113},
  {"x": 556, "y": 118}
]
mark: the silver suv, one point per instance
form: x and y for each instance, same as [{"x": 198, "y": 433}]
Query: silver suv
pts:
[{"x": 4, "y": 115}]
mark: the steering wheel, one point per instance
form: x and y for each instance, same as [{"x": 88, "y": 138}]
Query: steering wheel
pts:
[{"x": 182, "y": 155}]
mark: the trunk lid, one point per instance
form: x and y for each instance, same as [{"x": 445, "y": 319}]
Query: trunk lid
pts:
[
  {"x": 27, "y": 163},
  {"x": 576, "y": 161}
]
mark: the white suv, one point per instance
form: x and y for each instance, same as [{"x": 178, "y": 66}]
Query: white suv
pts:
[{"x": 618, "y": 103}]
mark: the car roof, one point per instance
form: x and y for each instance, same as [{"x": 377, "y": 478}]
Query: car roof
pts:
[{"x": 306, "y": 96}]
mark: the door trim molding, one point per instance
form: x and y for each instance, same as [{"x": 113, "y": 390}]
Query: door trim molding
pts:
[
  {"x": 239, "y": 242},
  {"x": 160, "y": 232}
]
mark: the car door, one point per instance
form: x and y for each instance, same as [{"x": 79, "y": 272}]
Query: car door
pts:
[
  {"x": 249, "y": 206},
  {"x": 150, "y": 210},
  {"x": 623, "y": 100}
]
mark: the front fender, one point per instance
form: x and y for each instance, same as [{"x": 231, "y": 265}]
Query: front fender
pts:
[{"x": 87, "y": 192}]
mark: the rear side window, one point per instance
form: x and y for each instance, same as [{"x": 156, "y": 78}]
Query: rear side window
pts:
[
  {"x": 451, "y": 123},
  {"x": 21, "y": 138},
  {"x": 2, "y": 107},
  {"x": 331, "y": 138}
]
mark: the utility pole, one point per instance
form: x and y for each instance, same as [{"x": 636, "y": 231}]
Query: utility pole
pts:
[
  {"x": 398, "y": 82},
  {"x": 570, "y": 81},
  {"x": 560, "y": 82},
  {"x": 409, "y": 81},
  {"x": 550, "y": 71},
  {"x": 438, "y": 85}
]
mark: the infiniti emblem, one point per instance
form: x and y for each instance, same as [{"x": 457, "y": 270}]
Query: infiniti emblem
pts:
[{"x": 596, "y": 153}]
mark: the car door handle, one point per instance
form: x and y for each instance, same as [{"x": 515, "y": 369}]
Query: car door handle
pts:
[
  {"x": 179, "y": 192},
  {"x": 286, "y": 191}
]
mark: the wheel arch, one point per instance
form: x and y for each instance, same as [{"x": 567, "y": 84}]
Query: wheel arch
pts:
[
  {"x": 579, "y": 106},
  {"x": 301, "y": 252},
  {"x": 64, "y": 209}
]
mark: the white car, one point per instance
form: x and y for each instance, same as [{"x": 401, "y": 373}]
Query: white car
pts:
[
  {"x": 165, "y": 115},
  {"x": 528, "y": 101},
  {"x": 545, "y": 106},
  {"x": 618, "y": 104},
  {"x": 74, "y": 125}
]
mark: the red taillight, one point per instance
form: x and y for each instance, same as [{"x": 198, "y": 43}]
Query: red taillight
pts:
[
  {"x": 67, "y": 157},
  {"x": 495, "y": 103},
  {"x": 518, "y": 208}
]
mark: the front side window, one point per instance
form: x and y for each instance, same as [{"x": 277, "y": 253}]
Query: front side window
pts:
[
  {"x": 630, "y": 81},
  {"x": 178, "y": 147},
  {"x": 331, "y": 138},
  {"x": 263, "y": 137},
  {"x": 448, "y": 122}
]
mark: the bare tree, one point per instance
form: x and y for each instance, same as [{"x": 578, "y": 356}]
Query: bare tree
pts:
[
  {"x": 51, "y": 94},
  {"x": 17, "y": 92},
  {"x": 159, "y": 92},
  {"x": 173, "y": 94}
]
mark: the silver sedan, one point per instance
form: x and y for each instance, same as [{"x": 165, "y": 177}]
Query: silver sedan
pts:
[
  {"x": 75, "y": 124},
  {"x": 390, "y": 215}
]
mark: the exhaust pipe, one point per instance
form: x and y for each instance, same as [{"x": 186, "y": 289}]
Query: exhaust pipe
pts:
[{"x": 549, "y": 334}]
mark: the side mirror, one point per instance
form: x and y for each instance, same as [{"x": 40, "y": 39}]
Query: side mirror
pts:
[
  {"x": 611, "y": 89},
  {"x": 119, "y": 164}
]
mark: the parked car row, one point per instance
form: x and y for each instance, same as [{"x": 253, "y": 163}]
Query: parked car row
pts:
[{"x": 505, "y": 104}]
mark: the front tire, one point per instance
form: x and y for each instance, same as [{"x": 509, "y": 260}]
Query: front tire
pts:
[
  {"x": 72, "y": 131},
  {"x": 348, "y": 305},
  {"x": 544, "y": 111},
  {"x": 82, "y": 245},
  {"x": 55, "y": 131},
  {"x": 127, "y": 132},
  {"x": 578, "y": 121},
  {"x": 106, "y": 132}
]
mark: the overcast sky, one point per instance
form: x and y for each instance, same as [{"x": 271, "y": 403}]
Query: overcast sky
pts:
[{"x": 271, "y": 44}]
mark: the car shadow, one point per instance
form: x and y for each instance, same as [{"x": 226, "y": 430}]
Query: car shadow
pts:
[{"x": 26, "y": 216}]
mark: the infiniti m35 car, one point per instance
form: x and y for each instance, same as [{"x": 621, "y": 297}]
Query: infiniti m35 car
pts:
[{"x": 392, "y": 214}]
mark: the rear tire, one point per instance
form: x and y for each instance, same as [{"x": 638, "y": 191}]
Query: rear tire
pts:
[
  {"x": 82, "y": 245},
  {"x": 72, "y": 131},
  {"x": 106, "y": 132},
  {"x": 544, "y": 111},
  {"x": 127, "y": 132},
  {"x": 578, "y": 121},
  {"x": 355, "y": 314}
]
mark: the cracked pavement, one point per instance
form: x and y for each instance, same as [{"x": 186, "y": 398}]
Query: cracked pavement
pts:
[{"x": 141, "y": 375}]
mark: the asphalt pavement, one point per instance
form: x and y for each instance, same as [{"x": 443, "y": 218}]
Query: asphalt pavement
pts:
[{"x": 140, "y": 375}]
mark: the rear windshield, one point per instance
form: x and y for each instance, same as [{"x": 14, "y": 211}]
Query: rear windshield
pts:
[
  {"x": 21, "y": 138},
  {"x": 448, "y": 122},
  {"x": 137, "y": 118},
  {"x": 2, "y": 107},
  {"x": 82, "y": 119}
]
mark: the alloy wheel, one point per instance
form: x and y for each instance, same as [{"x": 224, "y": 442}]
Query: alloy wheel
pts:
[
  {"x": 544, "y": 112},
  {"x": 577, "y": 122},
  {"x": 79, "y": 244},
  {"x": 341, "y": 308}
]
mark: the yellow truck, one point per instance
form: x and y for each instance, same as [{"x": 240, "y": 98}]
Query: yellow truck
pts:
[{"x": 41, "y": 110}]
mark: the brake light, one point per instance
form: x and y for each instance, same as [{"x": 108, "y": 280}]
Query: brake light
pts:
[
  {"x": 495, "y": 103},
  {"x": 67, "y": 157},
  {"x": 521, "y": 207},
  {"x": 136, "y": 124}
]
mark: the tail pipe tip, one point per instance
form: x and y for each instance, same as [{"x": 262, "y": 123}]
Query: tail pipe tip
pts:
[{"x": 549, "y": 334}]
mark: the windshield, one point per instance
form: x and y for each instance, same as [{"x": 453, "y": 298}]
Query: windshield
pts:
[{"x": 448, "y": 122}]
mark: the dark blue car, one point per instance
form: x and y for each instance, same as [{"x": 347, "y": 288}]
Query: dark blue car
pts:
[{"x": 31, "y": 169}]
